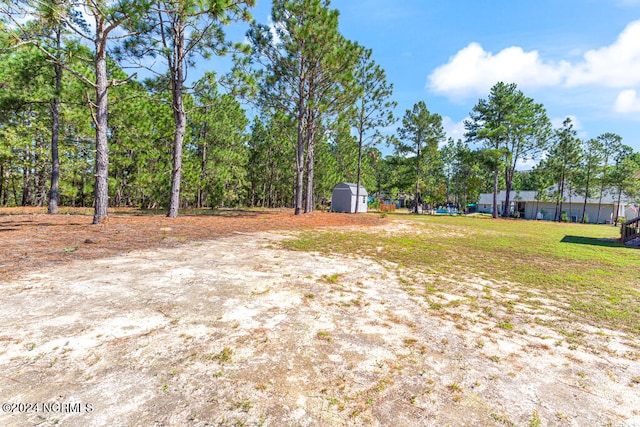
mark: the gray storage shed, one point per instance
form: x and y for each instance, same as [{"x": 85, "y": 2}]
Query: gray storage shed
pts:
[{"x": 343, "y": 198}]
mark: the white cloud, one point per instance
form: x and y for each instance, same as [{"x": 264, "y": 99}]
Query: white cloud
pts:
[
  {"x": 453, "y": 129},
  {"x": 556, "y": 122},
  {"x": 472, "y": 70},
  {"x": 628, "y": 102},
  {"x": 526, "y": 164},
  {"x": 273, "y": 28},
  {"x": 616, "y": 65}
]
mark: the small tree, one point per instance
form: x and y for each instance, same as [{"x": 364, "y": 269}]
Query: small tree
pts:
[
  {"x": 108, "y": 18},
  {"x": 610, "y": 143},
  {"x": 509, "y": 121},
  {"x": 591, "y": 159},
  {"x": 564, "y": 158},
  {"x": 419, "y": 136},
  {"x": 302, "y": 67},
  {"x": 178, "y": 31},
  {"x": 373, "y": 108}
]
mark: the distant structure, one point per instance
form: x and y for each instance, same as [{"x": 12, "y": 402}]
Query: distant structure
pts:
[
  {"x": 529, "y": 205},
  {"x": 343, "y": 198}
]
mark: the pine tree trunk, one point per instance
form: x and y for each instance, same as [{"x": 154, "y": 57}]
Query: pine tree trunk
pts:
[
  {"x": 570, "y": 203},
  {"x": 203, "y": 168},
  {"x": 179, "y": 117},
  {"x": 297, "y": 202},
  {"x": 417, "y": 187},
  {"x": 55, "y": 130},
  {"x": 586, "y": 194},
  {"x": 101, "y": 191},
  {"x": 309, "y": 202},
  {"x": 359, "y": 169},
  {"x": 26, "y": 193},
  {"x": 561, "y": 199},
  {"x": 2, "y": 185},
  {"x": 601, "y": 191},
  {"x": 617, "y": 213},
  {"x": 507, "y": 197},
  {"x": 495, "y": 193}
]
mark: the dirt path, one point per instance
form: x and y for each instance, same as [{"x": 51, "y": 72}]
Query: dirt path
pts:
[{"x": 236, "y": 331}]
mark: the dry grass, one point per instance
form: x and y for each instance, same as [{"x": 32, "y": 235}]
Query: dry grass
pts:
[{"x": 31, "y": 239}]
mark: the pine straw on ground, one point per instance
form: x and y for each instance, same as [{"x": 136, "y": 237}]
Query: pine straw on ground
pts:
[{"x": 32, "y": 240}]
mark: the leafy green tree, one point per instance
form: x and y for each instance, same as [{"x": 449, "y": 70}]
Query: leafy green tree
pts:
[
  {"x": 373, "y": 108},
  {"x": 509, "y": 121},
  {"x": 419, "y": 136},
  {"x": 464, "y": 172},
  {"x": 271, "y": 159},
  {"x": 344, "y": 149},
  {"x": 379, "y": 170},
  {"x": 109, "y": 19},
  {"x": 138, "y": 127},
  {"x": 621, "y": 177},
  {"x": 611, "y": 144},
  {"x": 178, "y": 31},
  {"x": 218, "y": 146},
  {"x": 50, "y": 29},
  {"x": 400, "y": 174},
  {"x": 328, "y": 169},
  {"x": 591, "y": 159},
  {"x": 542, "y": 180},
  {"x": 302, "y": 66},
  {"x": 563, "y": 160}
]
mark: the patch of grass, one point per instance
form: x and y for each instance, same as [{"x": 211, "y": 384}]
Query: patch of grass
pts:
[
  {"x": 224, "y": 356},
  {"x": 505, "y": 324},
  {"x": 333, "y": 279},
  {"x": 535, "y": 420},
  {"x": 409, "y": 341},
  {"x": 244, "y": 405},
  {"x": 502, "y": 419},
  {"x": 599, "y": 282},
  {"x": 333, "y": 401},
  {"x": 454, "y": 387},
  {"x": 324, "y": 335}
]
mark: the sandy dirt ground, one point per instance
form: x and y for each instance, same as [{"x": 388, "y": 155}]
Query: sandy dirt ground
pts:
[{"x": 238, "y": 331}]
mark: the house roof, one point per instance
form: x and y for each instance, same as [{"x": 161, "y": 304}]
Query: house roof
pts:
[
  {"x": 351, "y": 187},
  {"x": 608, "y": 198},
  {"x": 523, "y": 196}
]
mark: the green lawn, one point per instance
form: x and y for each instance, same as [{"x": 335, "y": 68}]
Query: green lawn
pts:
[{"x": 582, "y": 266}]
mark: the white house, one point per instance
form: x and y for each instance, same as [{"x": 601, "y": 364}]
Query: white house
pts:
[
  {"x": 343, "y": 198},
  {"x": 527, "y": 205}
]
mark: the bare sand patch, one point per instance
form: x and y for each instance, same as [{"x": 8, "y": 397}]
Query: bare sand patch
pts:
[{"x": 235, "y": 331}]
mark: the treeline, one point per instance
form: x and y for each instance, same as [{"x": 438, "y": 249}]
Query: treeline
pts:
[{"x": 77, "y": 130}]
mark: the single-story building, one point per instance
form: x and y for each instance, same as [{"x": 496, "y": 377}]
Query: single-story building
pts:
[
  {"x": 343, "y": 198},
  {"x": 527, "y": 205}
]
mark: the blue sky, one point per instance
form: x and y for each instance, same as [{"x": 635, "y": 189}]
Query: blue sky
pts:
[{"x": 579, "y": 58}]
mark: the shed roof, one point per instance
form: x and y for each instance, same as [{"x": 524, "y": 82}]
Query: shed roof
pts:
[{"x": 351, "y": 187}]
